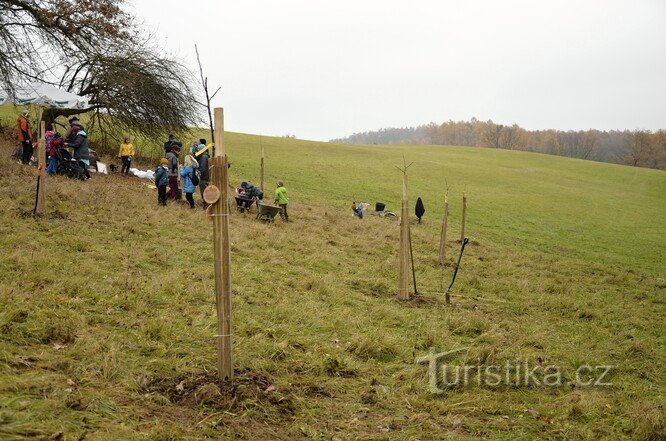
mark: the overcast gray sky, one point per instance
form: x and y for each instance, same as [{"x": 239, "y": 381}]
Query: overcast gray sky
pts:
[{"x": 326, "y": 69}]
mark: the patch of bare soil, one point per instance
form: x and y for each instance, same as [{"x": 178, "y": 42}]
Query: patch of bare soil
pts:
[
  {"x": 420, "y": 301},
  {"x": 206, "y": 389}
]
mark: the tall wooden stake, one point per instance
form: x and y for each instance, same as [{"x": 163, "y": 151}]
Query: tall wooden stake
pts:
[
  {"x": 442, "y": 238},
  {"x": 403, "y": 280},
  {"x": 464, "y": 212},
  {"x": 222, "y": 251},
  {"x": 411, "y": 256},
  {"x": 262, "y": 166},
  {"x": 40, "y": 152}
]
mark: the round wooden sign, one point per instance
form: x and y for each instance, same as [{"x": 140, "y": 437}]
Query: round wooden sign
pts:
[{"x": 211, "y": 194}]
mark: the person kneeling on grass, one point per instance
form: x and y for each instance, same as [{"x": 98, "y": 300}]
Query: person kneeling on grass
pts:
[
  {"x": 281, "y": 200},
  {"x": 56, "y": 143},
  {"x": 190, "y": 178},
  {"x": 125, "y": 154},
  {"x": 161, "y": 181},
  {"x": 358, "y": 211}
]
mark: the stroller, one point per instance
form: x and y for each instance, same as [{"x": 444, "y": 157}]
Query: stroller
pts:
[{"x": 69, "y": 167}]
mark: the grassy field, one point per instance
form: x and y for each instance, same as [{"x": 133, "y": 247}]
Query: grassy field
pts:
[{"x": 107, "y": 305}]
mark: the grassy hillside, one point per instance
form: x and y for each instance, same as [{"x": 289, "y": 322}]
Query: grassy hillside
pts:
[{"x": 108, "y": 312}]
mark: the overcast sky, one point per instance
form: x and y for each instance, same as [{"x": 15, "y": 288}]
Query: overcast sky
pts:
[{"x": 325, "y": 69}]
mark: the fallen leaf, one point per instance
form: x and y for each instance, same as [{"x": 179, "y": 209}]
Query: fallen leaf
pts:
[
  {"x": 60, "y": 436},
  {"x": 270, "y": 388},
  {"x": 58, "y": 346},
  {"x": 180, "y": 386},
  {"x": 71, "y": 382}
]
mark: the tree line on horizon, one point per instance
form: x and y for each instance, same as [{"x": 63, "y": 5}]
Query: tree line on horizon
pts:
[{"x": 639, "y": 148}]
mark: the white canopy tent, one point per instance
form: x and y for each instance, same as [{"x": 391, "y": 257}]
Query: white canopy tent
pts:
[{"x": 45, "y": 95}]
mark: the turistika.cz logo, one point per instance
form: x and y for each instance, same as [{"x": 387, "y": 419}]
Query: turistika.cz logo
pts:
[{"x": 512, "y": 373}]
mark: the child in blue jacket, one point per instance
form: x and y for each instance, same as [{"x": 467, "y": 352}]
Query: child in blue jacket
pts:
[
  {"x": 188, "y": 173},
  {"x": 161, "y": 181}
]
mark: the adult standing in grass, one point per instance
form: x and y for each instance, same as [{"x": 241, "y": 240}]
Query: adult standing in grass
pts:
[
  {"x": 188, "y": 174},
  {"x": 74, "y": 127},
  {"x": 81, "y": 149},
  {"x": 204, "y": 174},
  {"x": 125, "y": 154},
  {"x": 25, "y": 136},
  {"x": 282, "y": 200},
  {"x": 172, "y": 158},
  {"x": 168, "y": 143}
]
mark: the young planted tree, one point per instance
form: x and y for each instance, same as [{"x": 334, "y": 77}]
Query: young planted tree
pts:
[{"x": 209, "y": 97}]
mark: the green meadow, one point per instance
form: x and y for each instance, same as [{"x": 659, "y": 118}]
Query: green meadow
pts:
[{"x": 107, "y": 306}]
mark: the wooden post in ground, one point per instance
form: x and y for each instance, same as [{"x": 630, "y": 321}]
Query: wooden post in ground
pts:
[
  {"x": 262, "y": 166},
  {"x": 403, "y": 280},
  {"x": 442, "y": 238},
  {"x": 222, "y": 251},
  {"x": 464, "y": 212},
  {"x": 40, "y": 152}
]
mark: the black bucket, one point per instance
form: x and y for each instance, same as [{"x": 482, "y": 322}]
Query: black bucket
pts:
[{"x": 379, "y": 206}]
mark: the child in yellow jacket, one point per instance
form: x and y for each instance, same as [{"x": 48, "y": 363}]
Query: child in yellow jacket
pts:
[{"x": 125, "y": 154}]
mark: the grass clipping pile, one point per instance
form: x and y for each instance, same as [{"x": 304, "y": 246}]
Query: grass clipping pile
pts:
[{"x": 247, "y": 389}]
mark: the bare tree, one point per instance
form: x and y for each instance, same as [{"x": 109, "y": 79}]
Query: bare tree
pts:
[
  {"x": 92, "y": 48},
  {"x": 38, "y": 35},
  {"x": 209, "y": 98}
]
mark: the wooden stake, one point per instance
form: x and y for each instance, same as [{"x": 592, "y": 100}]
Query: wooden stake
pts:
[
  {"x": 464, "y": 212},
  {"x": 442, "y": 238},
  {"x": 222, "y": 251},
  {"x": 262, "y": 166},
  {"x": 411, "y": 255},
  {"x": 403, "y": 282},
  {"x": 40, "y": 151}
]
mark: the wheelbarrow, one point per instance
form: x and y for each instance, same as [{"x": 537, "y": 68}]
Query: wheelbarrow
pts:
[
  {"x": 267, "y": 212},
  {"x": 243, "y": 203}
]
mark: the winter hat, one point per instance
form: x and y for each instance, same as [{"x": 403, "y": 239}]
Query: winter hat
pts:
[{"x": 164, "y": 161}]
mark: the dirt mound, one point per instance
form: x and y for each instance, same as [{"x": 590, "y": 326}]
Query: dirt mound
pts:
[{"x": 206, "y": 389}]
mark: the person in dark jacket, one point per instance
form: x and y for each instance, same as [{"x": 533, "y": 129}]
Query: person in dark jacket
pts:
[
  {"x": 74, "y": 127},
  {"x": 168, "y": 143},
  {"x": 161, "y": 181},
  {"x": 253, "y": 191},
  {"x": 204, "y": 174},
  {"x": 172, "y": 158},
  {"x": 81, "y": 150}
]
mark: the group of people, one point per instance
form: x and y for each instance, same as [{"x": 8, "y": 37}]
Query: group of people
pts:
[
  {"x": 194, "y": 172},
  {"x": 76, "y": 138}
]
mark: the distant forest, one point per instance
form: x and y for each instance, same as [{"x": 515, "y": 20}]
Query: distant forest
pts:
[{"x": 639, "y": 148}]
